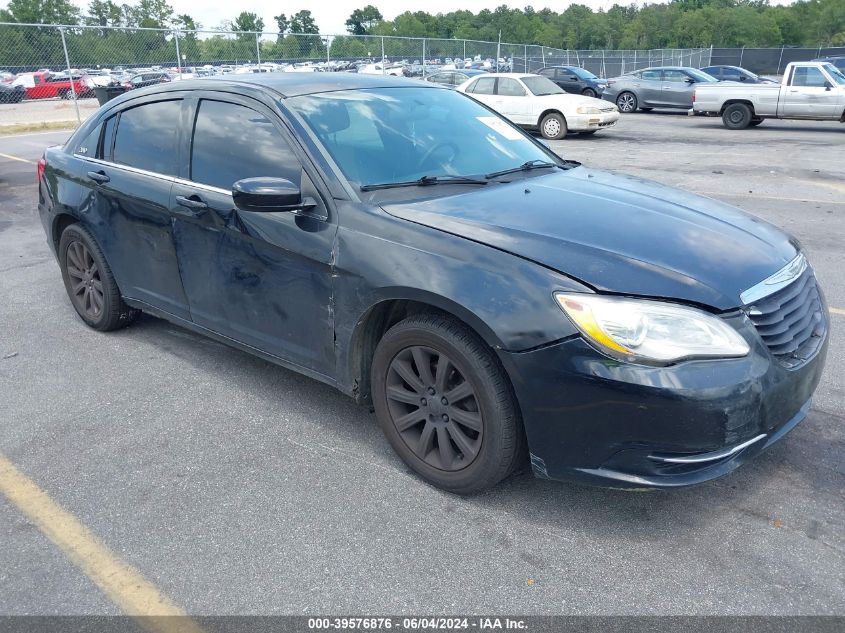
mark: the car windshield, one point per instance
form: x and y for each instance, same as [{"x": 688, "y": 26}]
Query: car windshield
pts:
[
  {"x": 542, "y": 86},
  {"x": 387, "y": 135},
  {"x": 835, "y": 74},
  {"x": 699, "y": 75}
]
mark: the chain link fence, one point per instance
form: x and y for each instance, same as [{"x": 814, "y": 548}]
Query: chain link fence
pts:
[
  {"x": 53, "y": 71},
  {"x": 771, "y": 61}
]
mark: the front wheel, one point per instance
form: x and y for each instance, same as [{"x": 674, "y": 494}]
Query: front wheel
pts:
[
  {"x": 627, "y": 102},
  {"x": 589, "y": 92},
  {"x": 445, "y": 404},
  {"x": 737, "y": 116},
  {"x": 553, "y": 126}
]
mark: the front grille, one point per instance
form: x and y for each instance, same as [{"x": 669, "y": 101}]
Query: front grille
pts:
[{"x": 791, "y": 321}]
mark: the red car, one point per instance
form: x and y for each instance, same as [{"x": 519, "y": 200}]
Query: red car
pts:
[{"x": 45, "y": 85}]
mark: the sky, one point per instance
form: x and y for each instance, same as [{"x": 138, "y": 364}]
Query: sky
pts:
[{"x": 331, "y": 15}]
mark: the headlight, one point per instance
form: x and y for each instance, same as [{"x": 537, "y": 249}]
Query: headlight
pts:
[
  {"x": 588, "y": 110},
  {"x": 650, "y": 332}
]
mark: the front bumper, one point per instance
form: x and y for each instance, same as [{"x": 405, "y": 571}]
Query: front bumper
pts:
[
  {"x": 586, "y": 122},
  {"x": 594, "y": 419}
]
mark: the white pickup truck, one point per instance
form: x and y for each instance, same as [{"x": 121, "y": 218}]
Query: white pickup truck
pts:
[{"x": 808, "y": 90}]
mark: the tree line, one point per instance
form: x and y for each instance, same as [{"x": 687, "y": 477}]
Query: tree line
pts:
[{"x": 676, "y": 24}]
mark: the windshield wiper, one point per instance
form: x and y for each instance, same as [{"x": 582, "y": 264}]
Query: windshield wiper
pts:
[
  {"x": 425, "y": 181},
  {"x": 526, "y": 166}
]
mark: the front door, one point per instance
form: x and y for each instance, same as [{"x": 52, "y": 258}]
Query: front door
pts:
[
  {"x": 677, "y": 89},
  {"x": 811, "y": 94},
  {"x": 513, "y": 102},
  {"x": 264, "y": 279}
]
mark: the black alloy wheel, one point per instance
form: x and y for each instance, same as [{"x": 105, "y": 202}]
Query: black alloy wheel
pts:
[
  {"x": 86, "y": 285},
  {"x": 434, "y": 408},
  {"x": 445, "y": 404},
  {"x": 89, "y": 281}
]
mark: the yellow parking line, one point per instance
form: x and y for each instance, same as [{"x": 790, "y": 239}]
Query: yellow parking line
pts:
[
  {"x": 22, "y": 160},
  {"x": 837, "y": 311},
  {"x": 123, "y": 584}
]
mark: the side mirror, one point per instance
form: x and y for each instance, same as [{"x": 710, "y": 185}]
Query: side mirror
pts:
[
  {"x": 690, "y": 80},
  {"x": 268, "y": 195},
  {"x": 828, "y": 85}
]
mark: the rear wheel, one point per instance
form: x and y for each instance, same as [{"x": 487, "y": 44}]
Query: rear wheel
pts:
[
  {"x": 445, "y": 404},
  {"x": 626, "y": 102},
  {"x": 588, "y": 92},
  {"x": 737, "y": 116},
  {"x": 89, "y": 282},
  {"x": 553, "y": 126}
]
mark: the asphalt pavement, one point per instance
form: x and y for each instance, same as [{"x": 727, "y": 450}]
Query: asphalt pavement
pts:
[{"x": 238, "y": 487}]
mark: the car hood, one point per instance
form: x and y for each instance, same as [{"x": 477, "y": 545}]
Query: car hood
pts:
[{"x": 617, "y": 234}]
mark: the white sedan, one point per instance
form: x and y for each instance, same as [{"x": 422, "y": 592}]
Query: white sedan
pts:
[{"x": 536, "y": 102}]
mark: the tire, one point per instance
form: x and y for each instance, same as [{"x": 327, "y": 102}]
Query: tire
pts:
[
  {"x": 627, "y": 102},
  {"x": 755, "y": 122},
  {"x": 98, "y": 301},
  {"x": 589, "y": 92},
  {"x": 463, "y": 446},
  {"x": 737, "y": 116},
  {"x": 553, "y": 126}
]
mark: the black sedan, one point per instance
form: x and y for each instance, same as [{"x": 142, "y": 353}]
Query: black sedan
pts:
[
  {"x": 735, "y": 73},
  {"x": 575, "y": 80},
  {"x": 493, "y": 302}
]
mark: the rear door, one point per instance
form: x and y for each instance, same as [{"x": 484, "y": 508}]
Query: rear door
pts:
[
  {"x": 650, "y": 87},
  {"x": 263, "y": 279},
  {"x": 132, "y": 177},
  {"x": 484, "y": 89},
  {"x": 808, "y": 95}
]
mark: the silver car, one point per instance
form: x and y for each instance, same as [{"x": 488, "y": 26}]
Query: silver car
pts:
[{"x": 663, "y": 87}]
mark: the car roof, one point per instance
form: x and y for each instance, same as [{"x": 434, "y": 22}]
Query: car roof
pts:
[
  {"x": 297, "y": 84},
  {"x": 512, "y": 75}
]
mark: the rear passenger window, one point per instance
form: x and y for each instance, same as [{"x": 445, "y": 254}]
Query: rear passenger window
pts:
[
  {"x": 484, "y": 86},
  {"x": 146, "y": 137},
  {"x": 88, "y": 146},
  {"x": 509, "y": 88},
  {"x": 232, "y": 142}
]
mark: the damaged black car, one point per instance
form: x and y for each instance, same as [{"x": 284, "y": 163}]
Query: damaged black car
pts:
[{"x": 496, "y": 305}]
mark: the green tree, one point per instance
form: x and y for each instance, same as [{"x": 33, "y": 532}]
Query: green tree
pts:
[{"x": 362, "y": 20}]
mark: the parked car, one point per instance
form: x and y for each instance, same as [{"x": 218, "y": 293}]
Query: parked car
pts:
[
  {"x": 478, "y": 290},
  {"x": 575, "y": 80},
  {"x": 151, "y": 78},
  {"x": 839, "y": 62},
  {"x": 809, "y": 90},
  {"x": 11, "y": 94},
  {"x": 535, "y": 102},
  {"x": 735, "y": 73},
  {"x": 663, "y": 87},
  {"x": 46, "y": 85},
  {"x": 453, "y": 78}
]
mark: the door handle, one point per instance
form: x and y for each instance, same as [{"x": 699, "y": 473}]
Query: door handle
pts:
[
  {"x": 193, "y": 203},
  {"x": 98, "y": 176}
]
